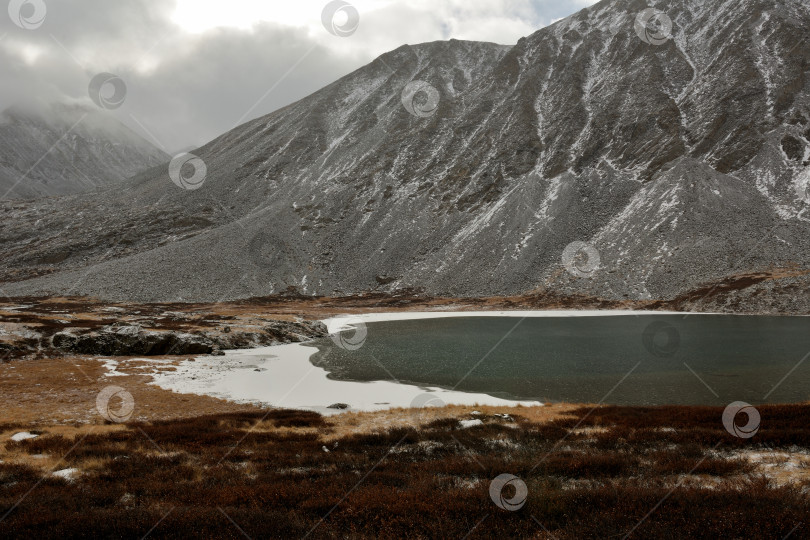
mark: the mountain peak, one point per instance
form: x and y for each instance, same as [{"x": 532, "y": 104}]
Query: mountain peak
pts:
[
  {"x": 467, "y": 168},
  {"x": 61, "y": 148}
]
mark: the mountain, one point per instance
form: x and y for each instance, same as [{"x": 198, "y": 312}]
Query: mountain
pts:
[
  {"x": 470, "y": 168},
  {"x": 61, "y": 149}
]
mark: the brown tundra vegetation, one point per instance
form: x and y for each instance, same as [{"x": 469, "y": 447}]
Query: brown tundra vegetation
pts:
[{"x": 605, "y": 472}]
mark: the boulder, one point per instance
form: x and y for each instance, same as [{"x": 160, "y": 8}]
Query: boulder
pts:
[{"x": 339, "y": 406}]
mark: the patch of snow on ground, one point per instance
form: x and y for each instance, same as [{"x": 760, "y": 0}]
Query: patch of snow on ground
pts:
[
  {"x": 112, "y": 368},
  {"x": 66, "y": 474},
  {"x": 22, "y": 436}
]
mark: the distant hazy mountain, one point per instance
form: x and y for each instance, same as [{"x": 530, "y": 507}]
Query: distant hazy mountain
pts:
[
  {"x": 62, "y": 149},
  {"x": 468, "y": 168}
]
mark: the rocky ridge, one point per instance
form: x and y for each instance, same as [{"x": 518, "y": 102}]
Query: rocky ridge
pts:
[{"x": 681, "y": 165}]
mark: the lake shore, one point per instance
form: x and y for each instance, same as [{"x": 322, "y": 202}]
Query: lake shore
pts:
[
  {"x": 86, "y": 436},
  {"x": 28, "y": 326}
]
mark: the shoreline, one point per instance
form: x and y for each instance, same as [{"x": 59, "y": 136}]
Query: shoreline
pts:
[
  {"x": 316, "y": 390},
  {"x": 230, "y": 377},
  {"x": 282, "y": 376},
  {"x": 340, "y": 323},
  {"x": 29, "y": 325}
]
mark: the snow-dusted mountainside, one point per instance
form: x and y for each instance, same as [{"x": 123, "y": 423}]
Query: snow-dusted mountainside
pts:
[
  {"x": 61, "y": 149},
  {"x": 680, "y": 163}
]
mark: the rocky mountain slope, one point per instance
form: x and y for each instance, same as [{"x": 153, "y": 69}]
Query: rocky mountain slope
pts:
[
  {"x": 62, "y": 149},
  {"x": 468, "y": 169}
]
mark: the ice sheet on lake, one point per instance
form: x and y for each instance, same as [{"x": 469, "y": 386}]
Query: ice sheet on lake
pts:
[{"x": 282, "y": 376}]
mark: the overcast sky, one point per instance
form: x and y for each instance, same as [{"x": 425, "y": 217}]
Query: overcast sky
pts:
[{"x": 194, "y": 69}]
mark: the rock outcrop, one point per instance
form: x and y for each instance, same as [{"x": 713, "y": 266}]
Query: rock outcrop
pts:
[{"x": 135, "y": 341}]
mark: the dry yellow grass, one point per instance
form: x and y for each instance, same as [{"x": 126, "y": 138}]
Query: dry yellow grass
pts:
[
  {"x": 63, "y": 391},
  {"x": 350, "y": 423}
]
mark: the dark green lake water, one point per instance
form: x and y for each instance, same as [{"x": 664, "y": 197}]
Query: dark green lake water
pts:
[{"x": 633, "y": 360}]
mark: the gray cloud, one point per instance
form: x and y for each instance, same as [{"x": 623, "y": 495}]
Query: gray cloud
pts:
[
  {"x": 186, "y": 88},
  {"x": 226, "y": 78}
]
